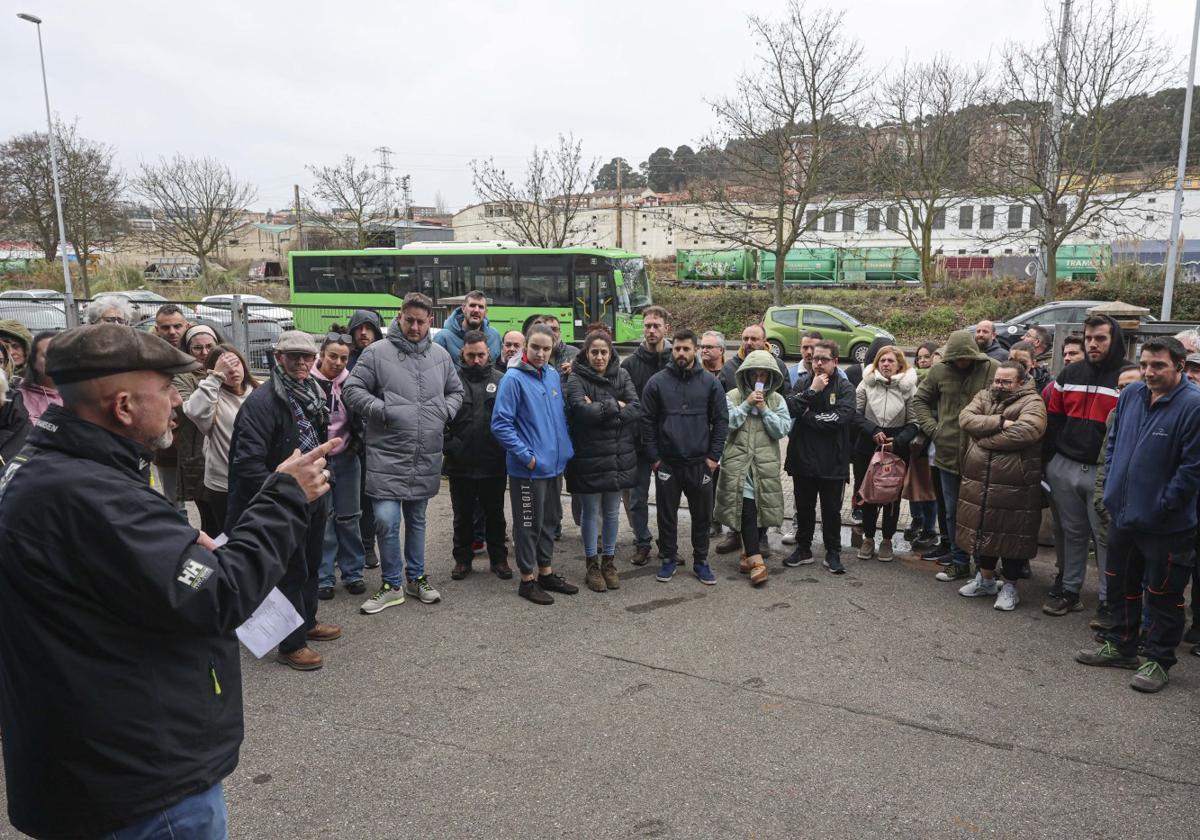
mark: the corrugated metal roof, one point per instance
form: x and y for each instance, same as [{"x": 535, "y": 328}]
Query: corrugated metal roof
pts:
[{"x": 273, "y": 228}]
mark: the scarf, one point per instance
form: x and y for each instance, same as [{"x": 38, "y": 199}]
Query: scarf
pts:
[{"x": 307, "y": 403}]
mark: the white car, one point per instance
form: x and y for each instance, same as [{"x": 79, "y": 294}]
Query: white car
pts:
[
  {"x": 218, "y": 306},
  {"x": 32, "y": 294}
]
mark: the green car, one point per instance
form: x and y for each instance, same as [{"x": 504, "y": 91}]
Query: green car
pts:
[{"x": 785, "y": 323}]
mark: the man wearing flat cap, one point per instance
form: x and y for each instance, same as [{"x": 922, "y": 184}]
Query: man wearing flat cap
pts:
[
  {"x": 120, "y": 679},
  {"x": 289, "y": 412}
]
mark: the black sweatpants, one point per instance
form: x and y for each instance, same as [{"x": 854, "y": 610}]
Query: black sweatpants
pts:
[
  {"x": 1011, "y": 568},
  {"x": 807, "y": 491},
  {"x": 671, "y": 483},
  {"x": 536, "y": 513},
  {"x": 470, "y": 499},
  {"x": 891, "y": 515},
  {"x": 1165, "y": 562},
  {"x": 751, "y": 535},
  {"x": 299, "y": 581}
]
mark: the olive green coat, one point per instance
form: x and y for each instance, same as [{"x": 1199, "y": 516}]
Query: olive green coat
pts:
[
  {"x": 945, "y": 392},
  {"x": 751, "y": 462}
]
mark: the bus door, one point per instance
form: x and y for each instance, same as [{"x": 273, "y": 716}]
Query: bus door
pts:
[{"x": 594, "y": 293}]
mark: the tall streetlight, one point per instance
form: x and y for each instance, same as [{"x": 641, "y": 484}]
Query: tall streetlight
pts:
[
  {"x": 1177, "y": 209},
  {"x": 68, "y": 292}
]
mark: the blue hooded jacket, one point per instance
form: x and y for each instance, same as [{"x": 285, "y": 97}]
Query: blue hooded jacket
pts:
[
  {"x": 530, "y": 421},
  {"x": 451, "y": 336},
  {"x": 1152, "y": 460}
]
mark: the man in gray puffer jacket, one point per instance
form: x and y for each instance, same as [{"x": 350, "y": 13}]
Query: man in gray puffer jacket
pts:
[{"x": 407, "y": 389}]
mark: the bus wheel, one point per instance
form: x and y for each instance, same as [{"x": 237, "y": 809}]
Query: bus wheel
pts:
[{"x": 776, "y": 348}]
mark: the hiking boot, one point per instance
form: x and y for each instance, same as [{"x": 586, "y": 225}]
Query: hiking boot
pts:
[
  {"x": 924, "y": 541},
  {"x": 758, "y": 570},
  {"x": 937, "y": 552},
  {"x": 1107, "y": 656},
  {"x": 800, "y": 556},
  {"x": 530, "y": 591},
  {"x": 370, "y": 558},
  {"x": 381, "y": 600},
  {"x": 704, "y": 573},
  {"x": 666, "y": 571},
  {"x": 460, "y": 571},
  {"x": 608, "y": 570},
  {"x": 833, "y": 562},
  {"x": 979, "y": 587},
  {"x": 502, "y": 570},
  {"x": 304, "y": 659},
  {"x": 788, "y": 538},
  {"x": 885, "y": 553},
  {"x": 355, "y": 587},
  {"x": 325, "y": 593},
  {"x": 554, "y": 582},
  {"x": 1192, "y": 636},
  {"x": 867, "y": 549},
  {"x": 1150, "y": 678},
  {"x": 1103, "y": 619},
  {"x": 731, "y": 543},
  {"x": 1063, "y": 604},
  {"x": 323, "y": 633},
  {"x": 422, "y": 591},
  {"x": 953, "y": 572},
  {"x": 1008, "y": 599},
  {"x": 592, "y": 578},
  {"x": 641, "y": 555}
]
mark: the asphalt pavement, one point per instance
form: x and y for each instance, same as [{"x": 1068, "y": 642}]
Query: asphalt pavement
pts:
[{"x": 875, "y": 704}]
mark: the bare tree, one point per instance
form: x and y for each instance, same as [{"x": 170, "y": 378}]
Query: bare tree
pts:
[
  {"x": 542, "y": 210},
  {"x": 194, "y": 204},
  {"x": 352, "y": 197},
  {"x": 917, "y": 154},
  {"x": 784, "y": 135},
  {"x": 1068, "y": 178},
  {"x": 28, "y": 185},
  {"x": 91, "y": 195}
]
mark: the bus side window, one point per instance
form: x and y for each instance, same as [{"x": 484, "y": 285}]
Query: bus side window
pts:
[{"x": 544, "y": 282}]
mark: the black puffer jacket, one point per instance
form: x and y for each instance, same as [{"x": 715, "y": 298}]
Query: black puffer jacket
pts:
[
  {"x": 819, "y": 446},
  {"x": 685, "y": 417},
  {"x": 120, "y": 676},
  {"x": 470, "y": 450},
  {"x": 605, "y": 436},
  {"x": 644, "y": 363}
]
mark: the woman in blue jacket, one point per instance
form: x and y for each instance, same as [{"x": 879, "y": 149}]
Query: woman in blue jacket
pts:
[{"x": 530, "y": 422}]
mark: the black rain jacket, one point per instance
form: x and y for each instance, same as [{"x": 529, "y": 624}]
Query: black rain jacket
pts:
[{"x": 470, "y": 450}]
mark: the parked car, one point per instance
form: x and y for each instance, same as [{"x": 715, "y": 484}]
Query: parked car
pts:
[
  {"x": 784, "y": 324},
  {"x": 35, "y": 315},
  {"x": 32, "y": 294},
  {"x": 1010, "y": 331},
  {"x": 256, "y": 306}
]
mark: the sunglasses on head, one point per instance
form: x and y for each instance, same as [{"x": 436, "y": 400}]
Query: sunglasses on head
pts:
[{"x": 340, "y": 338}]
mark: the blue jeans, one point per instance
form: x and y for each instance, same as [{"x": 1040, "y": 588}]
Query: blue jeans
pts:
[
  {"x": 388, "y": 513},
  {"x": 201, "y": 816},
  {"x": 343, "y": 542},
  {"x": 639, "y": 504},
  {"x": 924, "y": 516},
  {"x": 593, "y": 505},
  {"x": 950, "y": 485}
]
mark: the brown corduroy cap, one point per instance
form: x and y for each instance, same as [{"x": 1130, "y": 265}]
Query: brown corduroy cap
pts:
[{"x": 97, "y": 350}]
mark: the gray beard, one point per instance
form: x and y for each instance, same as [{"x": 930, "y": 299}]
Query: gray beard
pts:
[{"x": 163, "y": 441}]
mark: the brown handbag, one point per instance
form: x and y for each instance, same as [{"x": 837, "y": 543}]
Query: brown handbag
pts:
[{"x": 918, "y": 482}]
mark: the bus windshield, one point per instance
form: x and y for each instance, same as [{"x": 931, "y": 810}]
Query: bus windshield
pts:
[{"x": 636, "y": 293}]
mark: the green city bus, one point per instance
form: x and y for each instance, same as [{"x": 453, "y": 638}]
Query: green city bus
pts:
[{"x": 579, "y": 286}]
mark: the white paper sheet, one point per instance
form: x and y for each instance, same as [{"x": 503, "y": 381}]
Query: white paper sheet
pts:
[
  {"x": 268, "y": 625},
  {"x": 220, "y": 540}
]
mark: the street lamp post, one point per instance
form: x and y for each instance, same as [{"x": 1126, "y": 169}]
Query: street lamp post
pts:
[{"x": 72, "y": 315}]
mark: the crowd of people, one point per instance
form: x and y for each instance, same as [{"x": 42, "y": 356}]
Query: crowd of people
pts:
[{"x": 326, "y": 467}]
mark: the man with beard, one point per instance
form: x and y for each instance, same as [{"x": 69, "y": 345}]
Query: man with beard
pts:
[
  {"x": 985, "y": 340},
  {"x": 651, "y": 356},
  {"x": 472, "y": 315},
  {"x": 169, "y": 325}
]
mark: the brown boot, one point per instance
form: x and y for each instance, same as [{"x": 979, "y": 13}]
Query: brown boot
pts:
[
  {"x": 758, "y": 570},
  {"x": 593, "y": 578},
  {"x": 304, "y": 659},
  {"x": 730, "y": 544},
  {"x": 324, "y": 633},
  {"x": 608, "y": 569},
  {"x": 744, "y": 564},
  {"x": 641, "y": 555}
]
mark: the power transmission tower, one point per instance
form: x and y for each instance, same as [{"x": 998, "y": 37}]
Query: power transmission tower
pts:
[
  {"x": 406, "y": 195},
  {"x": 385, "y": 176}
]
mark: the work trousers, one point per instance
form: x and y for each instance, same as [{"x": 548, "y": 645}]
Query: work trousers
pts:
[{"x": 299, "y": 581}]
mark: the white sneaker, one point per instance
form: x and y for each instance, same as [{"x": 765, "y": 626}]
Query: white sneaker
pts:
[
  {"x": 979, "y": 587},
  {"x": 867, "y": 550},
  {"x": 1008, "y": 599},
  {"x": 789, "y": 538},
  {"x": 422, "y": 591},
  {"x": 381, "y": 600}
]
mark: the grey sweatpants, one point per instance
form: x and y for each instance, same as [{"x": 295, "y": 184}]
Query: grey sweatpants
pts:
[
  {"x": 1076, "y": 522},
  {"x": 536, "y": 512}
]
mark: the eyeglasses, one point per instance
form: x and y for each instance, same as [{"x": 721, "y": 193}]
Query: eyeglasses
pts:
[
  {"x": 710, "y": 347},
  {"x": 113, "y": 319},
  {"x": 340, "y": 338}
]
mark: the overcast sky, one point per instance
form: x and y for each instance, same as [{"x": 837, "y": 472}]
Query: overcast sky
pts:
[{"x": 270, "y": 87}]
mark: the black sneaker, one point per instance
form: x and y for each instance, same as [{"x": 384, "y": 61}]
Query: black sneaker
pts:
[
  {"x": 372, "y": 559},
  {"x": 800, "y": 556},
  {"x": 924, "y": 541},
  {"x": 325, "y": 593},
  {"x": 530, "y": 591},
  {"x": 1063, "y": 604},
  {"x": 942, "y": 549},
  {"x": 1103, "y": 619},
  {"x": 910, "y": 534},
  {"x": 356, "y": 587},
  {"x": 554, "y": 582},
  {"x": 1192, "y": 636},
  {"x": 833, "y": 562}
]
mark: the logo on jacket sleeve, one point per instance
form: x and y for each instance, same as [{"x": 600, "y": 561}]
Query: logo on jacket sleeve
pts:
[
  {"x": 491, "y": 388},
  {"x": 194, "y": 574}
]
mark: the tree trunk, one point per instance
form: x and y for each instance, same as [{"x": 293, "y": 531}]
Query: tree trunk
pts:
[
  {"x": 85, "y": 286},
  {"x": 203, "y": 258},
  {"x": 1051, "y": 271},
  {"x": 777, "y": 291},
  {"x": 927, "y": 260}
]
